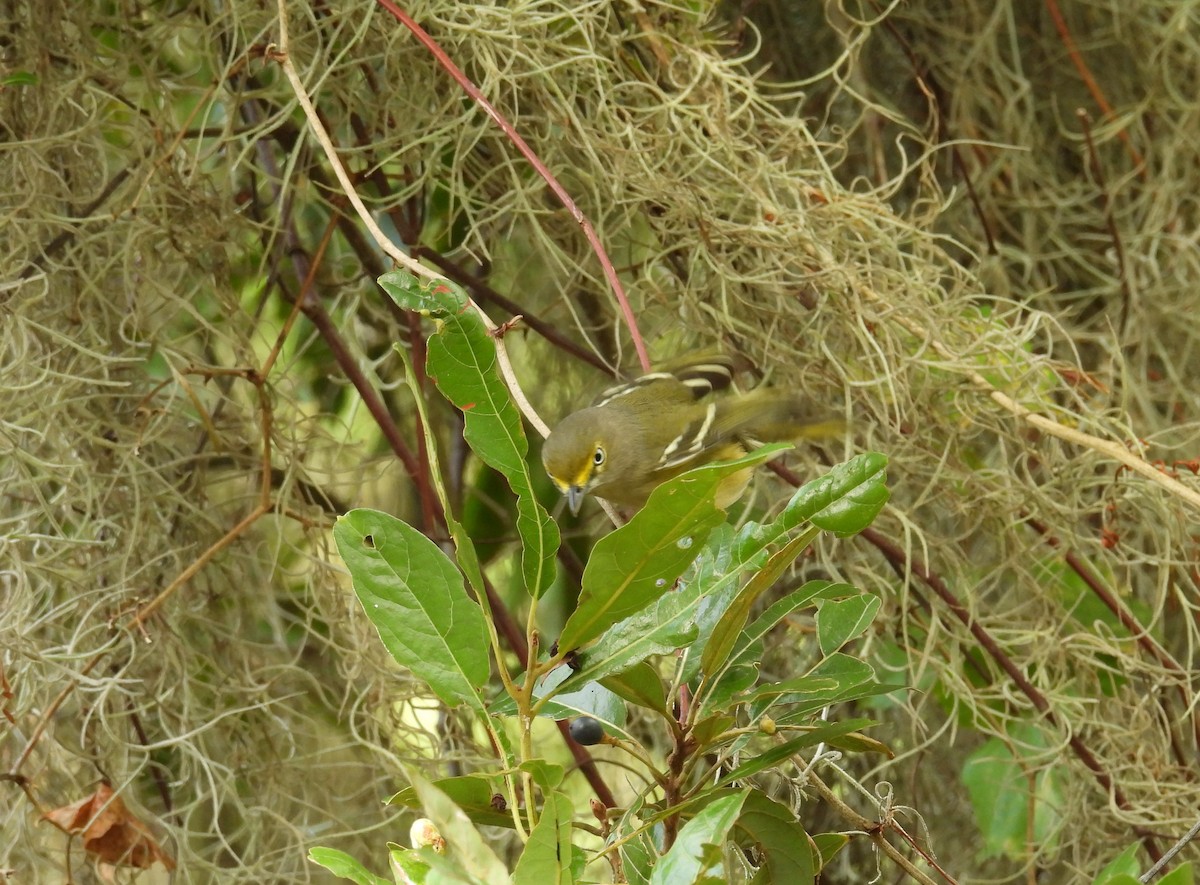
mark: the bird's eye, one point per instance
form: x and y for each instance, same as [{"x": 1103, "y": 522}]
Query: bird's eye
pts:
[{"x": 598, "y": 458}]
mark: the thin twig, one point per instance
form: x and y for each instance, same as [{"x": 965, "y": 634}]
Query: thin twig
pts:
[
  {"x": 873, "y": 829},
  {"x": 589, "y": 231},
  {"x": 1171, "y": 852},
  {"x": 1108, "y": 448},
  {"x": 280, "y": 55}
]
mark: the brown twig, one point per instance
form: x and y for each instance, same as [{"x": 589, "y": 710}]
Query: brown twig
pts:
[
  {"x": 1140, "y": 634},
  {"x": 916, "y": 568},
  {"x": 1110, "y": 221}
]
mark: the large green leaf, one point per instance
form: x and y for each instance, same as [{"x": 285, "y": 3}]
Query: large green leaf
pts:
[
  {"x": 640, "y": 685},
  {"x": 706, "y": 574},
  {"x": 659, "y": 629},
  {"x": 1182, "y": 875},
  {"x": 697, "y": 857},
  {"x": 639, "y": 562},
  {"x": 1004, "y": 789},
  {"x": 845, "y": 498},
  {"x": 461, "y": 360},
  {"x": 854, "y": 495},
  {"x": 1124, "y": 865},
  {"x": 787, "y": 855},
  {"x": 546, "y": 859},
  {"x": 417, "y": 601}
]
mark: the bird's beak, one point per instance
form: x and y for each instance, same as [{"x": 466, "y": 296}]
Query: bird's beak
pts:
[{"x": 575, "y": 496}]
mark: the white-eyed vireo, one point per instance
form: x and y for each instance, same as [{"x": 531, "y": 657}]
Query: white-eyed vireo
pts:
[{"x": 639, "y": 434}]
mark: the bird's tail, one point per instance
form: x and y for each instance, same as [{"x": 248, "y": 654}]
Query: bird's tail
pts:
[{"x": 766, "y": 415}]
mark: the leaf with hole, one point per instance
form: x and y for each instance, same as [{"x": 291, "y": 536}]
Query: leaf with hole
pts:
[{"x": 418, "y": 602}]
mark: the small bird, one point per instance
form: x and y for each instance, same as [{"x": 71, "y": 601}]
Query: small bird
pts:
[{"x": 641, "y": 433}]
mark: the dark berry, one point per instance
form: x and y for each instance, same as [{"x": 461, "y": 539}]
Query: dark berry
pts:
[{"x": 587, "y": 731}]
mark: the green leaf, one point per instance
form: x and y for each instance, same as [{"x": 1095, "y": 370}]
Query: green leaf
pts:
[
  {"x": 640, "y": 685},
  {"x": 1125, "y": 870},
  {"x": 636, "y": 564},
  {"x": 638, "y": 854},
  {"x": 711, "y": 573},
  {"x": 424, "y": 866},
  {"x": 637, "y": 860},
  {"x": 547, "y": 775},
  {"x": 787, "y": 855},
  {"x": 819, "y": 502},
  {"x": 800, "y": 709},
  {"x": 19, "y": 78},
  {"x": 698, "y": 853},
  {"x": 597, "y": 663},
  {"x": 853, "y": 509},
  {"x": 725, "y": 635},
  {"x": 546, "y": 859},
  {"x": 464, "y": 843},
  {"x": 472, "y": 793},
  {"x": 1124, "y": 864},
  {"x": 437, "y": 299},
  {"x": 464, "y": 547},
  {"x": 344, "y": 866},
  {"x": 462, "y": 362},
  {"x": 660, "y": 629},
  {"x": 409, "y": 866},
  {"x": 709, "y": 729},
  {"x": 728, "y": 687},
  {"x": 829, "y": 844},
  {"x": 417, "y": 601},
  {"x": 588, "y": 698},
  {"x": 838, "y": 677},
  {"x": 856, "y": 742},
  {"x": 840, "y": 620},
  {"x": 1178, "y": 876}
]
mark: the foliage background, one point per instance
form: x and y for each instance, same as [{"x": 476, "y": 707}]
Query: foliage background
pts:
[{"x": 898, "y": 209}]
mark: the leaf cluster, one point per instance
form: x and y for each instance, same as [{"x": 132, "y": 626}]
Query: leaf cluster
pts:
[{"x": 665, "y": 624}]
